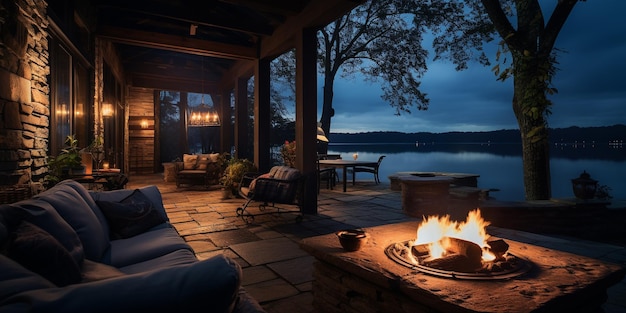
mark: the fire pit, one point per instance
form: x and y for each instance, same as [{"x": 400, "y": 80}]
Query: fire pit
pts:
[
  {"x": 376, "y": 279},
  {"x": 456, "y": 265},
  {"x": 449, "y": 251}
]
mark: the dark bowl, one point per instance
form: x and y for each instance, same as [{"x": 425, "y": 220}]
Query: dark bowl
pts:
[{"x": 352, "y": 239}]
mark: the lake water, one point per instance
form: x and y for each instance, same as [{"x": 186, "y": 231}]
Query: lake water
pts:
[{"x": 499, "y": 165}]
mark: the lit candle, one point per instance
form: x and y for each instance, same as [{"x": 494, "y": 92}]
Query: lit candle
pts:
[{"x": 105, "y": 165}]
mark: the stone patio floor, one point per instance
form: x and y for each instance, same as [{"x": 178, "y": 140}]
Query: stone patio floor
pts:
[{"x": 278, "y": 273}]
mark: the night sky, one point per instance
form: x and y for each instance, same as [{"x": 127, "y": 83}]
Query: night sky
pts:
[{"x": 590, "y": 81}]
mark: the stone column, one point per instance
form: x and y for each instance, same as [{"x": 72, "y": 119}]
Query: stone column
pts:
[{"x": 24, "y": 92}]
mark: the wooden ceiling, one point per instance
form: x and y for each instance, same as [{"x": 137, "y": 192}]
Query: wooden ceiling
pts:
[{"x": 163, "y": 44}]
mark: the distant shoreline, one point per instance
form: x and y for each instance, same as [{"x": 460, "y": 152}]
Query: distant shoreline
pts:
[{"x": 615, "y": 134}]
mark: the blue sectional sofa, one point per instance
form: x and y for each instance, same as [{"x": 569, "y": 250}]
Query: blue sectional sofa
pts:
[{"x": 72, "y": 250}]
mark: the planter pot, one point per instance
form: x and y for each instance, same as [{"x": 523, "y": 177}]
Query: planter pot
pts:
[
  {"x": 79, "y": 170},
  {"x": 584, "y": 187},
  {"x": 226, "y": 193}
]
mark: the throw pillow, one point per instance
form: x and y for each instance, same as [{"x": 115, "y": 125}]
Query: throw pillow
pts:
[
  {"x": 131, "y": 216},
  {"x": 190, "y": 161},
  {"x": 38, "y": 251},
  {"x": 253, "y": 182},
  {"x": 215, "y": 157},
  {"x": 203, "y": 161}
]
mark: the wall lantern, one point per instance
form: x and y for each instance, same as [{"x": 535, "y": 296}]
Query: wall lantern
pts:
[
  {"x": 107, "y": 110},
  {"x": 63, "y": 110},
  {"x": 144, "y": 123}
]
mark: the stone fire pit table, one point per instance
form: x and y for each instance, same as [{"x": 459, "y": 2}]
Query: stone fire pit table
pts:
[
  {"x": 460, "y": 179},
  {"x": 367, "y": 280},
  {"x": 424, "y": 194}
]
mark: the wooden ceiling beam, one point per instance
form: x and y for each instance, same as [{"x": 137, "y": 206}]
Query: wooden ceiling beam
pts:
[
  {"x": 282, "y": 7},
  {"x": 172, "y": 83},
  {"x": 199, "y": 14},
  {"x": 177, "y": 43},
  {"x": 212, "y": 73}
]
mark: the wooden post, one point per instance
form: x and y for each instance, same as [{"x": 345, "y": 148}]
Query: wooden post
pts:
[{"x": 306, "y": 115}]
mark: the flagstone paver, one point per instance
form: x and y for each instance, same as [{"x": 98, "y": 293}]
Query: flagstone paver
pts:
[{"x": 267, "y": 251}]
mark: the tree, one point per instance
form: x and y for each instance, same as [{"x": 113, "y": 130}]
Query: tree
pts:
[
  {"x": 360, "y": 42},
  {"x": 531, "y": 47}
]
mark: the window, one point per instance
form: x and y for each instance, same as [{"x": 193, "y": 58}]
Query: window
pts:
[
  {"x": 61, "y": 97},
  {"x": 172, "y": 130},
  {"x": 70, "y": 109}
]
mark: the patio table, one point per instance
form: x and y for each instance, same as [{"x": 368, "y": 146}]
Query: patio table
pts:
[{"x": 344, "y": 165}]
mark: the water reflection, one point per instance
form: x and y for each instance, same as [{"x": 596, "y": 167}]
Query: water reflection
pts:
[{"x": 499, "y": 165}]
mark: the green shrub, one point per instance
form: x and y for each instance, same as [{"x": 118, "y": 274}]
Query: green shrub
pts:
[{"x": 234, "y": 171}]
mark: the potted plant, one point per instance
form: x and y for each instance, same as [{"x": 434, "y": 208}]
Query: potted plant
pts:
[
  {"x": 233, "y": 173},
  {"x": 66, "y": 164},
  {"x": 96, "y": 149},
  {"x": 288, "y": 153}
]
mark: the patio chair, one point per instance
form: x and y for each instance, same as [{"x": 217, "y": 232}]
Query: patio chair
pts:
[
  {"x": 327, "y": 174},
  {"x": 368, "y": 169},
  {"x": 281, "y": 185}
]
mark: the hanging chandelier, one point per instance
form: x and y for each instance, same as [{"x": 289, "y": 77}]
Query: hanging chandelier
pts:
[{"x": 203, "y": 115}]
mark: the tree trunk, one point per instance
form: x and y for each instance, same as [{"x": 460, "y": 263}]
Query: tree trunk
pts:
[
  {"x": 529, "y": 105},
  {"x": 327, "y": 111}
]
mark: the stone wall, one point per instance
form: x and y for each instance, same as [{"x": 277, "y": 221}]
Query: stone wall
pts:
[
  {"x": 338, "y": 291},
  {"x": 24, "y": 91}
]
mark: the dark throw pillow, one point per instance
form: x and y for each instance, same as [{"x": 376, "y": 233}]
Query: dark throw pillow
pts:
[
  {"x": 131, "y": 216},
  {"x": 38, "y": 251}
]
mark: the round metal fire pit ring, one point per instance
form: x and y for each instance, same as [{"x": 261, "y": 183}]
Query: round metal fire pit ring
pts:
[{"x": 520, "y": 265}]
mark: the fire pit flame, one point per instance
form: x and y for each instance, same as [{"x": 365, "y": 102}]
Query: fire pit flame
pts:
[
  {"x": 434, "y": 231},
  {"x": 462, "y": 250}
]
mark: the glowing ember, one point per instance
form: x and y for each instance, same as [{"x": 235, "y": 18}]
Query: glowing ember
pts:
[{"x": 434, "y": 231}]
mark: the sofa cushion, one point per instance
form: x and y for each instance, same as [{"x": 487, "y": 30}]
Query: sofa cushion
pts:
[
  {"x": 10, "y": 218},
  {"x": 212, "y": 284},
  {"x": 133, "y": 215},
  {"x": 15, "y": 278},
  {"x": 192, "y": 172},
  {"x": 145, "y": 246},
  {"x": 94, "y": 271},
  {"x": 75, "y": 210},
  {"x": 190, "y": 161},
  {"x": 84, "y": 193},
  {"x": 43, "y": 215},
  {"x": 40, "y": 252},
  {"x": 175, "y": 258}
]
